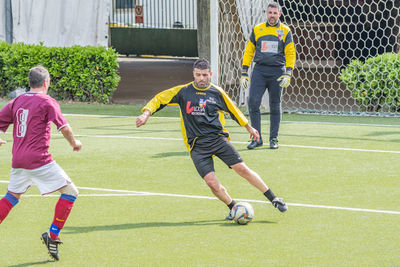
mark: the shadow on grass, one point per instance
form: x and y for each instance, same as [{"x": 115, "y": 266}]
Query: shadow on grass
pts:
[
  {"x": 32, "y": 263},
  {"x": 115, "y": 227},
  {"x": 171, "y": 154}
]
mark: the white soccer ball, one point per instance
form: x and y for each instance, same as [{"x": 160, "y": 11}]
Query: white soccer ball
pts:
[{"x": 242, "y": 213}]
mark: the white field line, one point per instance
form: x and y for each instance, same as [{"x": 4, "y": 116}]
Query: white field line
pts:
[
  {"x": 125, "y": 137},
  {"x": 340, "y": 123},
  {"x": 236, "y": 142},
  {"x": 343, "y": 148},
  {"x": 239, "y": 142},
  {"x": 125, "y": 193},
  {"x": 266, "y": 121},
  {"x": 115, "y": 116}
]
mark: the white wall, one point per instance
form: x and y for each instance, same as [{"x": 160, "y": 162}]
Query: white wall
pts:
[
  {"x": 160, "y": 14},
  {"x": 60, "y": 22},
  {"x": 2, "y": 21},
  {"x": 167, "y": 12}
]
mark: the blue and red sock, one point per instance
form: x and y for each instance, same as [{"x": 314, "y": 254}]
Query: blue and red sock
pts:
[
  {"x": 6, "y": 204},
  {"x": 63, "y": 209}
]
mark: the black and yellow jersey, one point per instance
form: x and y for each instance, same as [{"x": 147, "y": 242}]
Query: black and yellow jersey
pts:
[
  {"x": 271, "y": 46},
  {"x": 202, "y": 110}
]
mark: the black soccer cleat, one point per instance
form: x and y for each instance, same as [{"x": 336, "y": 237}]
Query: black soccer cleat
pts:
[
  {"x": 254, "y": 144},
  {"x": 230, "y": 216},
  {"x": 52, "y": 245},
  {"x": 279, "y": 204}
]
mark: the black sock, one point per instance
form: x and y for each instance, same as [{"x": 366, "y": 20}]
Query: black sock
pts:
[
  {"x": 230, "y": 206},
  {"x": 269, "y": 194}
]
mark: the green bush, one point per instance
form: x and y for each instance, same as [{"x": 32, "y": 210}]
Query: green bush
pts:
[
  {"x": 87, "y": 74},
  {"x": 4, "y": 47},
  {"x": 375, "y": 83}
]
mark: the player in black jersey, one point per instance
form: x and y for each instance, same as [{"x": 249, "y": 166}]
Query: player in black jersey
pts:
[{"x": 202, "y": 106}]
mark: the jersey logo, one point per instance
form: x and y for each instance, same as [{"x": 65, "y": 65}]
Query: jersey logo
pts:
[
  {"x": 281, "y": 34},
  {"x": 202, "y": 102},
  {"x": 269, "y": 47},
  {"x": 196, "y": 110},
  {"x": 22, "y": 118},
  {"x": 188, "y": 108}
]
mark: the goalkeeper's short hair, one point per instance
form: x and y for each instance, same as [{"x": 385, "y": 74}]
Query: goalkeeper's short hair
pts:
[
  {"x": 274, "y": 5},
  {"x": 201, "y": 64}
]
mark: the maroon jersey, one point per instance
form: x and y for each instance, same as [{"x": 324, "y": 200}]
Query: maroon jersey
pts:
[{"x": 31, "y": 114}]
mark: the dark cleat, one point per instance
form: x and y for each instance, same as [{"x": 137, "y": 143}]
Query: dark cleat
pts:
[
  {"x": 229, "y": 217},
  {"x": 254, "y": 144},
  {"x": 279, "y": 204},
  {"x": 52, "y": 245},
  {"x": 273, "y": 143}
]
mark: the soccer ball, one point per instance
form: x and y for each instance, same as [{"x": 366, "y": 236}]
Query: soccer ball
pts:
[{"x": 242, "y": 213}]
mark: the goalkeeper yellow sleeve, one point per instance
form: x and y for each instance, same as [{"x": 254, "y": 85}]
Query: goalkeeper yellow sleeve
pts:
[
  {"x": 248, "y": 54},
  {"x": 290, "y": 55}
]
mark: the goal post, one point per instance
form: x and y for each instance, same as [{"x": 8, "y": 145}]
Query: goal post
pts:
[
  {"x": 328, "y": 35},
  {"x": 214, "y": 49}
]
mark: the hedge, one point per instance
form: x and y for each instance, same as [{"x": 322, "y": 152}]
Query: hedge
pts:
[
  {"x": 375, "y": 83},
  {"x": 87, "y": 74}
]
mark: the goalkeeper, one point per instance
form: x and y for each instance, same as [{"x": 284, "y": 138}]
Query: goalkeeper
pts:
[
  {"x": 202, "y": 105},
  {"x": 271, "y": 47}
]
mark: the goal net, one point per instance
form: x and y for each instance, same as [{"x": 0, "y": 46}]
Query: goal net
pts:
[{"x": 328, "y": 35}]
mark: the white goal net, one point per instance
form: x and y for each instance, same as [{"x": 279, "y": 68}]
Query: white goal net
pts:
[{"x": 328, "y": 35}]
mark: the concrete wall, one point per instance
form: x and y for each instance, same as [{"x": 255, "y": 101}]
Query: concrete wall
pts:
[{"x": 2, "y": 21}]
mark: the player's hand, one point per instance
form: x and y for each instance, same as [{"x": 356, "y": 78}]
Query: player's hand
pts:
[
  {"x": 284, "y": 80},
  {"x": 77, "y": 146},
  {"x": 2, "y": 142},
  {"x": 245, "y": 80},
  {"x": 254, "y": 135},
  {"x": 142, "y": 119}
]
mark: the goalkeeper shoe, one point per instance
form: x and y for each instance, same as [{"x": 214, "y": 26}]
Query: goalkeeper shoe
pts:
[
  {"x": 273, "y": 143},
  {"x": 52, "y": 245},
  {"x": 279, "y": 204}
]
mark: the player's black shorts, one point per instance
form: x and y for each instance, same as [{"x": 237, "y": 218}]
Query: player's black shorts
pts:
[{"x": 205, "y": 148}]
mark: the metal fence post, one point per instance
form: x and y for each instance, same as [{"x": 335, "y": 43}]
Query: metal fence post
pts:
[{"x": 9, "y": 22}]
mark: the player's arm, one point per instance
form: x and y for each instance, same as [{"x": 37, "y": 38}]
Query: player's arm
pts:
[
  {"x": 54, "y": 115},
  {"x": 142, "y": 119},
  {"x": 158, "y": 102},
  {"x": 290, "y": 56},
  {"x": 254, "y": 135},
  {"x": 69, "y": 135},
  {"x": 6, "y": 118},
  {"x": 249, "y": 51},
  {"x": 232, "y": 109},
  {"x": 247, "y": 58},
  {"x": 238, "y": 116},
  {"x": 290, "y": 53}
]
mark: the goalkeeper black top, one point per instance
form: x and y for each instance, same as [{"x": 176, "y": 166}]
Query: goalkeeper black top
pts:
[{"x": 202, "y": 110}]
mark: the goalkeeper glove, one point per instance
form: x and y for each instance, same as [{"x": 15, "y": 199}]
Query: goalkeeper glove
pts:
[
  {"x": 284, "y": 80},
  {"x": 245, "y": 80}
]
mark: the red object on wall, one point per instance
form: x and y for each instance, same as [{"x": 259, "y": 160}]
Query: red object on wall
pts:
[{"x": 139, "y": 14}]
